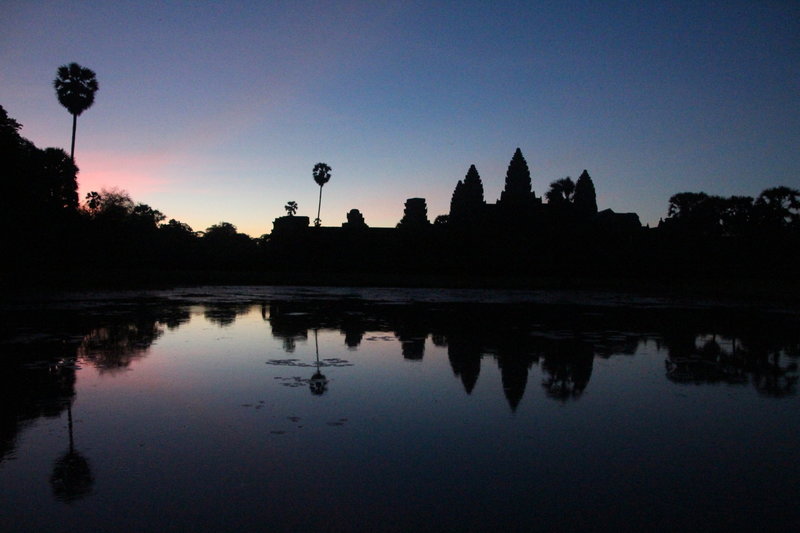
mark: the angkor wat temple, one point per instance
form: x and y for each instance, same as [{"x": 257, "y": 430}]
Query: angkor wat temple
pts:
[{"x": 520, "y": 233}]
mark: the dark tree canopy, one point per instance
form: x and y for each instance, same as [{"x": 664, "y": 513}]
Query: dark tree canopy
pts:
[
  {"x": 177, "y": 228},
  {"x": 39, "y": 183},
  {"x": 113, "y": 205},
  {"x": 9, "y": 128},
  {"x": 57, "y": 179},
  {"x": 778, "y": 206},
  {"x": 561, "y": 192},
  {"x": 222, "y": 230},
  {"x": 688, "y": 205},
  {"x": 775, "y": 210},
  {"x": 146, "y": 218},
  {"x": 737, "y": 214}
]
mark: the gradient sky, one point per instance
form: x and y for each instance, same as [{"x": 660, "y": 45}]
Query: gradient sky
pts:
[{"x": 218, "y": 111}]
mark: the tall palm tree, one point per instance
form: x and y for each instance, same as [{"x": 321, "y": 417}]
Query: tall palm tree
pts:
[
  {"x": 75, "y": 87},
  {"x": 322, "y": 174}
]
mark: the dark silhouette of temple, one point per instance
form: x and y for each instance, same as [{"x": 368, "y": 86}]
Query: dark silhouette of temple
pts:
[{"x": 518, "y": 234}]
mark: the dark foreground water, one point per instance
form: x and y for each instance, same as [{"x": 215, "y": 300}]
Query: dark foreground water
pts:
[{"x": 244, "y": 409}]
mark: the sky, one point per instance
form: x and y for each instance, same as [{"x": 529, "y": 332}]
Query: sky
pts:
[{"x": 218, "y": 111}]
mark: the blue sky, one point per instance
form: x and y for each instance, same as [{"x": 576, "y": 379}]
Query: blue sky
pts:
[{"x": 216, "y": 112}]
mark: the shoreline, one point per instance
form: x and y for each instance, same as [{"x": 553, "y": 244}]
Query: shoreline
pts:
[{"x": 746, "y": 291}]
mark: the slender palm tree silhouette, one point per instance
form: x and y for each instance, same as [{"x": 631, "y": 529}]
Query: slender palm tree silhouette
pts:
[
  {"x": 318, "y": 382},
  {"x": 75, "y": 87},
  {"x": 322, "y": 174}
]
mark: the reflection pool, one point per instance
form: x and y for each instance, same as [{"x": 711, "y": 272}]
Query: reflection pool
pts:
[{"x": 208, "y": 411}]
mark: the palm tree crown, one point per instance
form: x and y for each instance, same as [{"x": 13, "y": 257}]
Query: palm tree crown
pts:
[
  {"x": 75, "y": 87},
  {"x": 322, "y": 174}
]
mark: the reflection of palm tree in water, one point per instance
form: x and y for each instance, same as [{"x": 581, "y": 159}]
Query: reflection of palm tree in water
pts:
[
  {"x": 568, "y": 365},
  {"x": 72, "y": 477},
  {"x": 318, "y": 382}
]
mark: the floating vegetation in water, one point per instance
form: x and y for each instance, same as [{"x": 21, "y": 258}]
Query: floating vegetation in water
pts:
[
  {"x": 381, "y": 338},
  {"x": 294, "y": 381},
  {"x": 332, "y": 362},
  {"x": 52, "y": 365}
]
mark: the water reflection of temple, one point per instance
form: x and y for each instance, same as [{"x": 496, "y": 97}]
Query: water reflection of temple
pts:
[
  {"x": 468, "y": 335},
  {"x": 561, "y": 341}
]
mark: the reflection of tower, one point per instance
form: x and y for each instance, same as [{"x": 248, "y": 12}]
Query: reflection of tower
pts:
[
  {"x": 465, "y": 359},
  {"x": 318, "y": 383},
  {"x": 72, "y": 476},
  {"x": 287, "y": 324},
  {"x": 514, "y": 375},
  {"x": 413, "y": 348},
  {"x": 353, "y": 331}
]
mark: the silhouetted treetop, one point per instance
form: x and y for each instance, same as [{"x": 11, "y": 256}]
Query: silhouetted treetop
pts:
[
  {"x": 686, "y": 204},
  {"x": 737, "y": 214},
  {"x": 9, "y": 128},
  {"x": 58, "y": 179},
  {"x": 146, "y": 217},
  {"x": 38, "y": 183},
  {"x": 775, "y": 211},
  {"x": 176, "y": 227},
  {"x": 113, "y": 204},
  {"x": 93, "y": 201},
  {"x": 322, "y": 174},
  {"x": 221, "y": 230},
  {"x": 779, "y": 206},
  {"x": 561, "y": 191},
  {"x": 75, "y": 87}
]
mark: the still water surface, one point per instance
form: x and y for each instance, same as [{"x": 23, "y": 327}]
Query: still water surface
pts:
[{"x": 218, "y": 412}]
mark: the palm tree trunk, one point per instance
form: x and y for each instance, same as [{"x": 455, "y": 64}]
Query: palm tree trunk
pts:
[
  {"x": 319, "y": 205},
  {"x": 72, "y": 149},
  {"x": 69, "y": 418}
]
